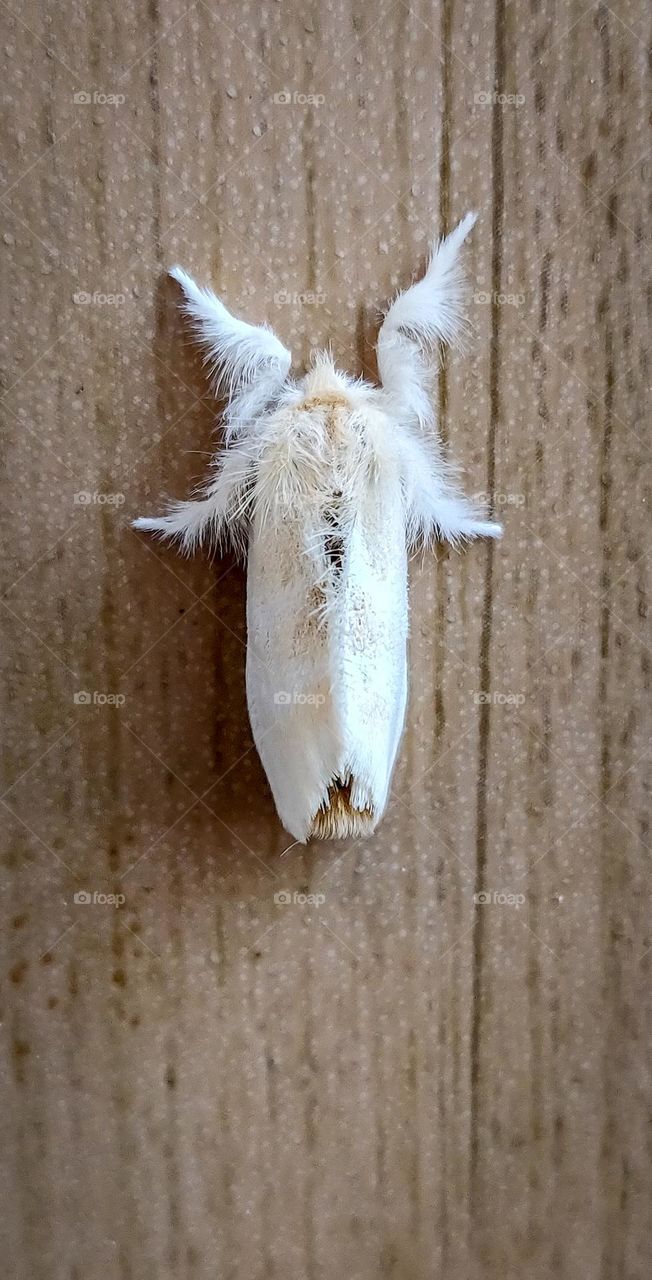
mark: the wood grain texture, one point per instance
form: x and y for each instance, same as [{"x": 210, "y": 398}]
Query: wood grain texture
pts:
[{"x": 393, "y": 1081}]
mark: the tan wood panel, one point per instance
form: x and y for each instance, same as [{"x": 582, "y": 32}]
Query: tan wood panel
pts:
[{"x": 396, "y": 1081}]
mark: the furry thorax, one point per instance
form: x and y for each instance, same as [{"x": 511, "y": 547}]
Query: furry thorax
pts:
[{"x": 327, "y": 483}]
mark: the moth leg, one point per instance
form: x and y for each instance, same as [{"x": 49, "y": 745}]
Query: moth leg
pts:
[
  {"x": 249, "y": 365},
  {"x": 188, "y": 523},
  {"x": 435, "y": 505},
  {"x": 456, "y": 519},
  {"x": 247, "y": 362},
  {"x": 428, "y": 312},
  {"x": 222, "y": 506},
  {"x": 437, "y": 508}
]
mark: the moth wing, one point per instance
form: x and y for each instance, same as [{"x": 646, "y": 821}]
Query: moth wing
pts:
[
  {"x": 289, "y": 675},
  {"x": 326, "y": 667},
  {"x": 369, "y": 646}
]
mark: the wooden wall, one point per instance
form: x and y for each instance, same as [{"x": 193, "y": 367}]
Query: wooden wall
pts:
[{"x": 392, "y": 1081}]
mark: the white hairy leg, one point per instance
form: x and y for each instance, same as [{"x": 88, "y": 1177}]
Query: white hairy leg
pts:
[
  {"x": 247, "y": 362},
  {"x": 250, "y": 365},
  {"x": 428, "y": 312}
]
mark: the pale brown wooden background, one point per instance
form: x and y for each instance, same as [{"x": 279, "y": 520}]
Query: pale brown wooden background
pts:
[{"x": 393, "y": 1082}]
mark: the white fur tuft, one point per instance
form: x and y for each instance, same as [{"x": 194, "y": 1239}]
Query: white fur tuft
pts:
[
  {"x": 246, "y": 362},
  {"x": 430, "y": 311},
  {"x": 221, "y": 510},
  {"x": 435, "y": 506}
]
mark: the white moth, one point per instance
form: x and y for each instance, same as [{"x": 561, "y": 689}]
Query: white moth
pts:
[{"x": 328, "y": 482}]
